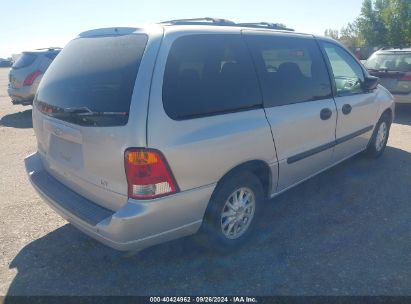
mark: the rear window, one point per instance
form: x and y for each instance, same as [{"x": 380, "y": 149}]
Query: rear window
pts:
[
  {"x": 52, "y": 56},
  {"x": 24, "y": 60},
  {"x": 390, "y": 61},
  {"x": 94, "y": 77},
  {"x": 209, "y": 74}
]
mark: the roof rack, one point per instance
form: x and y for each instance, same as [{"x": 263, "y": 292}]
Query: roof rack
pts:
[
  {"x": 199, "y": 21},
  {"x": 395, "y": 48},
  {"x": 268, "y": 25},
  {"x": 225, "y": 22},
  {"x": 52, "y": 48}
]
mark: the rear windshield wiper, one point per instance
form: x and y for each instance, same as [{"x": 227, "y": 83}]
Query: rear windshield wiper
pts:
[
  {"x": 386, "y": 70},
  {"x": 84, "y": 111},
  {"x": 85, "y": 116},
  {"x": 373, "y": 70}
]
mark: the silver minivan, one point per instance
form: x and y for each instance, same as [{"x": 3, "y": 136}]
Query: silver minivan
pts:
[
  {"x": 153, "y": 133},
  {"x": 26, "y": 73},
  {"x": 393, "y": 68}
]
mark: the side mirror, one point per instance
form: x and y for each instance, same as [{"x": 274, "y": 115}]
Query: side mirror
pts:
[{"x": 370, "y": 83}]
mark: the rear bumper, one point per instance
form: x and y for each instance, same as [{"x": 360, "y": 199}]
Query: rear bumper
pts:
[
  {"x": 136, "y": 225},
  {"x": 402, "y": 98},
  {"x": 23, "y": 95}
]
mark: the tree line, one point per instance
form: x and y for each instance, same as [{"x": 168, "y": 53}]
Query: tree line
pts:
[{"x": 382, "y": 23}]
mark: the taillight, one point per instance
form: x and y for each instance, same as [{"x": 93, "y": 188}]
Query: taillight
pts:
[
  {"x": 30, "y": 78},
  {"x": 406, "y": 77},
  {"x": 148, "y": 174}
]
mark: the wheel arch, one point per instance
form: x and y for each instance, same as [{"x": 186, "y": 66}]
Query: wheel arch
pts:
[
  {"x": 389, "y": 112},
  {"x": 259, "y": 168}
]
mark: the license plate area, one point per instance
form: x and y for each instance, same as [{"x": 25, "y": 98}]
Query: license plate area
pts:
[
  {"x": 66, "y": 152},
  {"x": 388, "y": 83},
  {"x": 64, "y": 144}
]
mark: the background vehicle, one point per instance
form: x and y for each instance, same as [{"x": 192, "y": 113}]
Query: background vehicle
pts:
[
  {"x": 393, "y": 67},
  {"x": 150, "y": 134},
  {"x": 5, "y": 63},
  {"x": 26, "y": 73}
]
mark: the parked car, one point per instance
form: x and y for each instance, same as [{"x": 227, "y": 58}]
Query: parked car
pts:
[
  {"x": 393, "y": 67},
  {"x": 26, "y": 73},
  {"x": 5, "y": 63},
  {"x": 154, "y": 133}
]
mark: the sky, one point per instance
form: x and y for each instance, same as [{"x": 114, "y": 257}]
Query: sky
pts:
[{"x": 31, "y": 24}]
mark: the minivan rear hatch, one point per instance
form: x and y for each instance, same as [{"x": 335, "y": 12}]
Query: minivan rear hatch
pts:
[
  {"x": 81, "y": 113},
  {"x": 393, "y": 69},
  {"x": 21, "y": 69}
]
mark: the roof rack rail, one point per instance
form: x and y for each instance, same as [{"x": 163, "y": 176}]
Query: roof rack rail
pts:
[
  {"x": 198, "y": 21},
  {"x": 268, "y": 25},
  {"x": 390, "y": 48},
  {"x": 225, "y": 22},
  {"x": 52, "y": 48}
]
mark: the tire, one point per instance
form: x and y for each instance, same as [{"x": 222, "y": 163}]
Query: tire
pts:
[
  {"x": 379, "y": 139},
  {"x": 228, "y": 224}
]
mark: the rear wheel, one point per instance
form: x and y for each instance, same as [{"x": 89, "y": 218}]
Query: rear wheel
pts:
[
  {"x": 233, "y": 212},
  {"x": 379, "y": 139}
]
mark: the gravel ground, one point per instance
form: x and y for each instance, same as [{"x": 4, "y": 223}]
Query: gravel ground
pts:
[{"x": 345, "y": 232}]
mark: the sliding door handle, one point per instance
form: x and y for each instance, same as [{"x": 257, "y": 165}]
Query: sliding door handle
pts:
[{"x": 325, "y": 114}]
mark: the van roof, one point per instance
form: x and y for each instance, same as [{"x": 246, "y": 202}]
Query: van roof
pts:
[
  {"x": 394, "y": 50},
  {"x": 214, "y": 24}
]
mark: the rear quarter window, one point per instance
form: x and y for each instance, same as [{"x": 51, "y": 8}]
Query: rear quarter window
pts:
[
  {"x": 24, "y": 60},
  {"x": 209, "y": 74},
  {"x": 52, "y": 56}
]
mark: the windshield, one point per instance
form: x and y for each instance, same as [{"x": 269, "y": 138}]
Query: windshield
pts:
[
  {"x": 24, "y": 60},
  {"x": 390, "y": 61},
  {"x": 97, "y": 73}
]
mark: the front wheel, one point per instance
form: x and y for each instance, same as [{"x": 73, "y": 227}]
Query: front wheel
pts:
[{"x": 379, "y": 138}]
